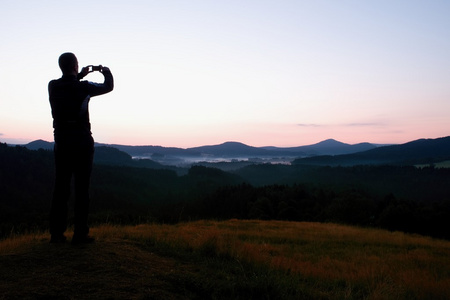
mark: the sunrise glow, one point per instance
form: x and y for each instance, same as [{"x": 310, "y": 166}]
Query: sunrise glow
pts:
[{"x": 191, "y": 73}]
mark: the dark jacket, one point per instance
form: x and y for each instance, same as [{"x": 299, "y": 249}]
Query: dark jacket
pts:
[{"x": 69, "y": 99}]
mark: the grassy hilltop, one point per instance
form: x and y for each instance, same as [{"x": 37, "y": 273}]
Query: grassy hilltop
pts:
[{"x": 228, "y": 260}]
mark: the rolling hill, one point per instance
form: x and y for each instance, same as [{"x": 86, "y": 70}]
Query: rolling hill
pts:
[
  {"x": 232, "y": 149},
  {"x": 229, "y": 149},
  {"x": 327, "y": 147},
  {"x": 422, "y": 151}
]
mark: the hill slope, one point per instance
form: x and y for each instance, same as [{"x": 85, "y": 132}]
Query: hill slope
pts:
[
  {"x": 415, "y": 152},
  {"x": 231, "y": 149},
  {"x": 228, "y": 260},
  {"x": 327, "y": 147}
]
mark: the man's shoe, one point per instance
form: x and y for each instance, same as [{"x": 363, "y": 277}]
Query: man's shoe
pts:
[
  {"x": 58, "y": 239},
  {"x": 78, "y": 240}
]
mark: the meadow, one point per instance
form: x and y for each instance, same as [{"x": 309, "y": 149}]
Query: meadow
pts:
[
  {"x": 233, "y": 259},
  {"x": 442, "y": 164}
]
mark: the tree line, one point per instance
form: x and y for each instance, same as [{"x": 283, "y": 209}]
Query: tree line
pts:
[{"x": 391, "y": 197}]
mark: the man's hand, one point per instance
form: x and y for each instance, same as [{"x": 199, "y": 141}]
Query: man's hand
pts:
[
  {"x": 84, "y": 71},
  {"x": 105, "y": 69}
]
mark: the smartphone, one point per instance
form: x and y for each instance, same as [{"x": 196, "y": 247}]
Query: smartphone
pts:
[{"x": 92, "y": 68}]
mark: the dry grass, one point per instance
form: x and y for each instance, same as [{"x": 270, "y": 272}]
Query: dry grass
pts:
[
  {"x": 338, "y": 261},
  {"x": 387, "y": 263}
]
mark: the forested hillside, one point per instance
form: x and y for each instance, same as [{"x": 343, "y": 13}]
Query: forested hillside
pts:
[
  {"x": 393, "y": 197},
  {"x": 423, "y": 151}
]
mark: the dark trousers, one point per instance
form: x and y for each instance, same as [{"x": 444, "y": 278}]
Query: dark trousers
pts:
[{"x": 71, "y": 160}]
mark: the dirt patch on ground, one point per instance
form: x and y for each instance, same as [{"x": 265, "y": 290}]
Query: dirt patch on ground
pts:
[{"x": 106, "y": 269}]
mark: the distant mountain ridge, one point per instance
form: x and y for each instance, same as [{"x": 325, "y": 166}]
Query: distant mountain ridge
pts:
[
  {"x": 328, "y": 147},
  {"x": 39, "y": 144},
  {"x": 420, "y": 151},
  {"x": 329, "y": 152},
  {"x": 230, "y": 149}
]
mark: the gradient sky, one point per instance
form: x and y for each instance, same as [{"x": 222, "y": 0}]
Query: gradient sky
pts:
[{"x": 191, "y": 73}]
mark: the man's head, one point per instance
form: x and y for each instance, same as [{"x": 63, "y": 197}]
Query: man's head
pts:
[{"x": 68, "y": 63}]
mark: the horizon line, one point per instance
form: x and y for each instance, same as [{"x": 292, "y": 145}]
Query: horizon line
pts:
[{"x": 207, "y": 145}]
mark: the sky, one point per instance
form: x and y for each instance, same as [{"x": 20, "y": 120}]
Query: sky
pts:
[{"x": 264, "y": 73}]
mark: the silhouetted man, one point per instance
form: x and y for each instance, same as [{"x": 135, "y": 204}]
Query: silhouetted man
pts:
[{"x": 74, "y": 145}]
